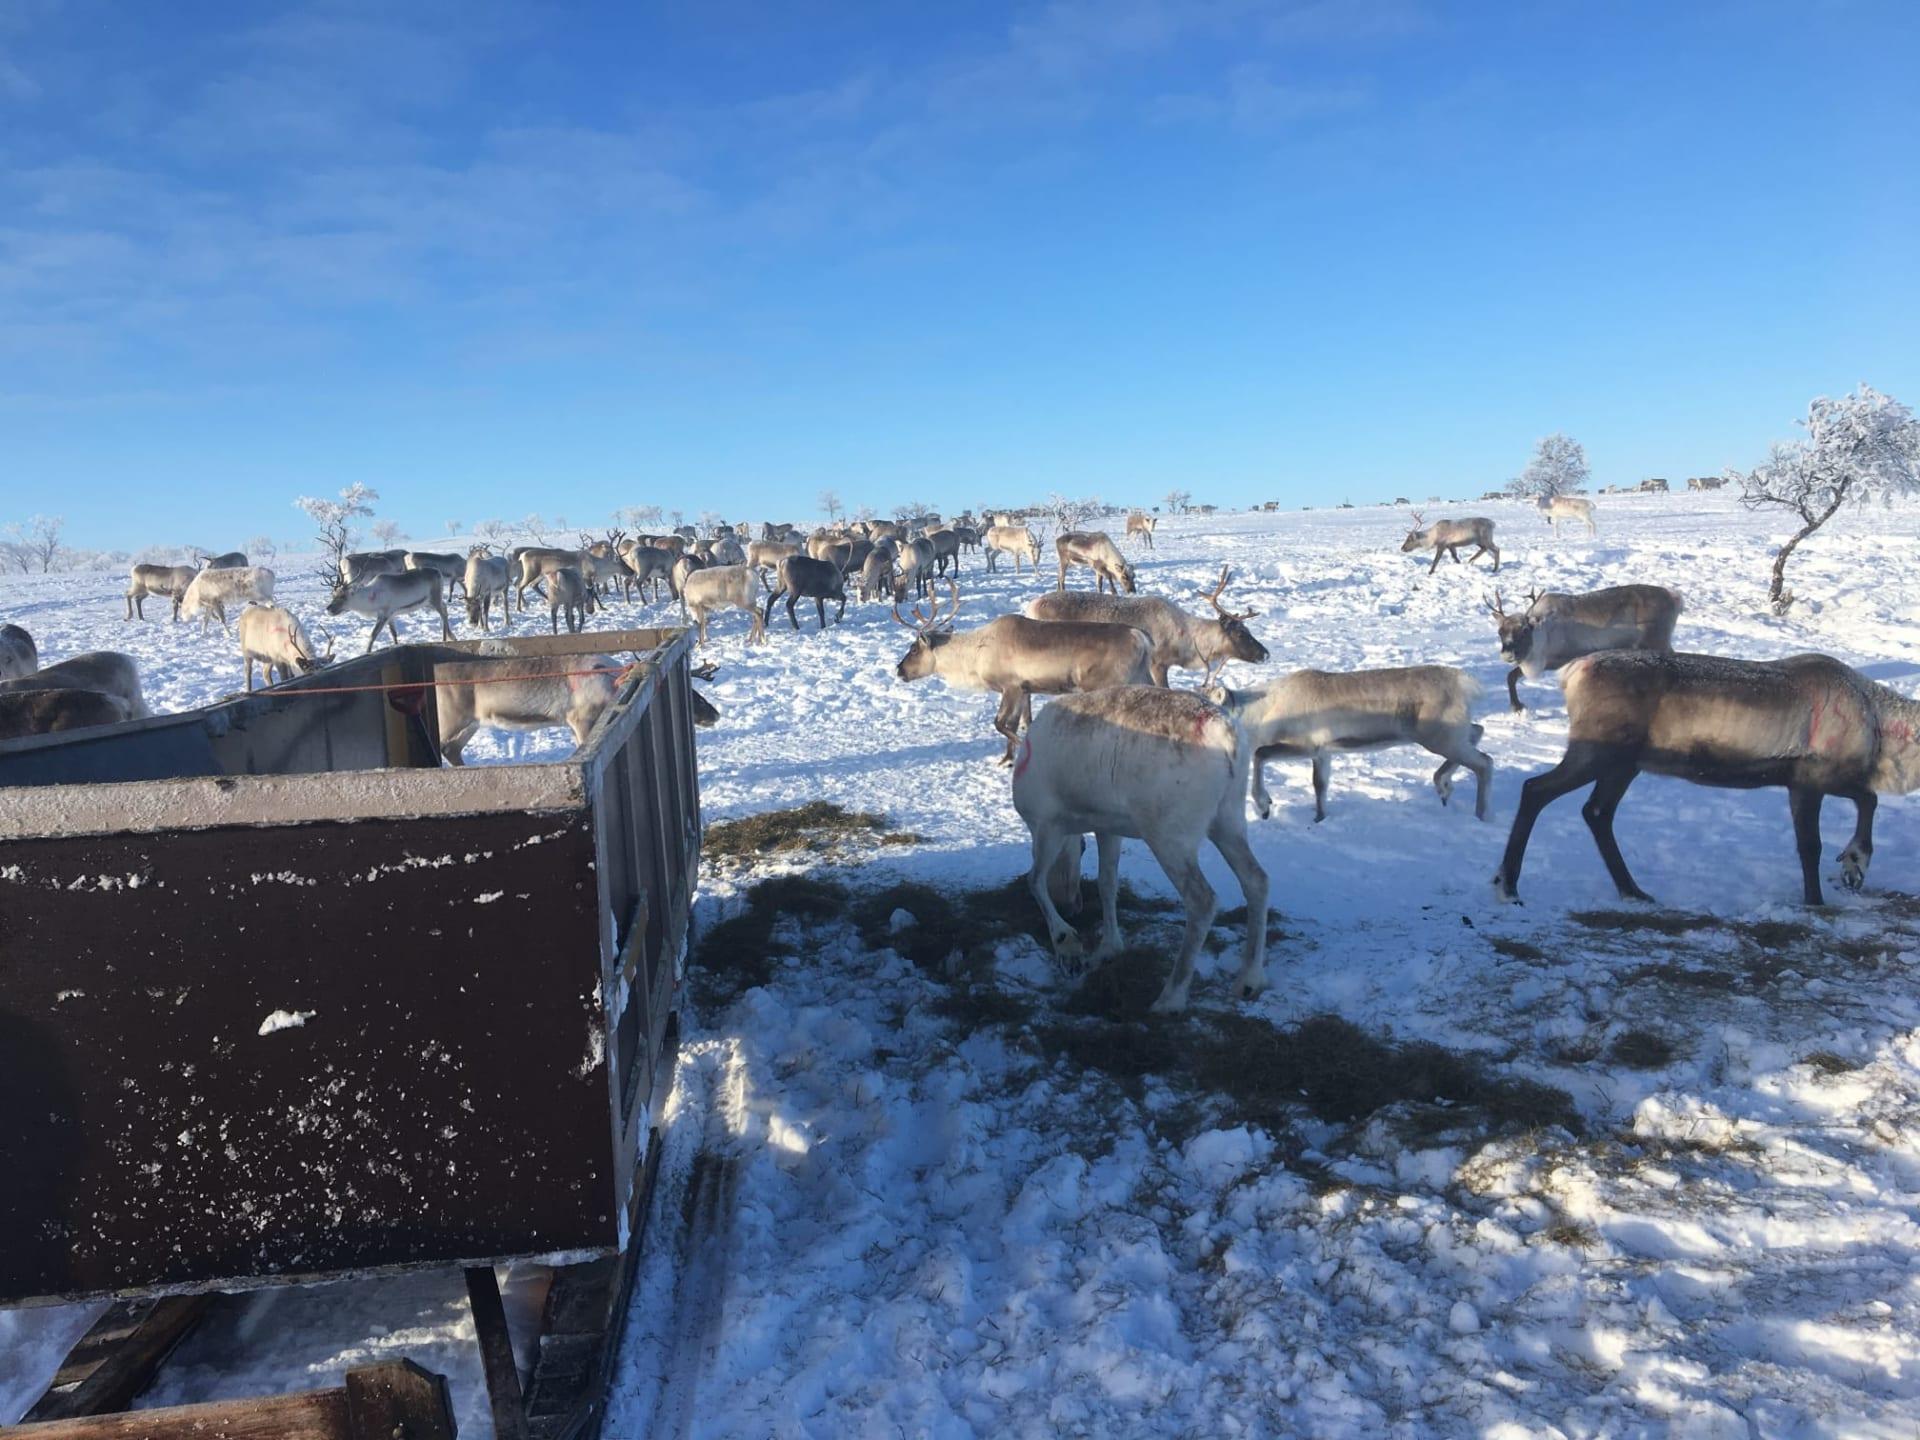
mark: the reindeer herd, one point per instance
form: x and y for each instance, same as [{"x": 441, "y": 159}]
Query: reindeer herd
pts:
[{"x": 1119, "y": 753}]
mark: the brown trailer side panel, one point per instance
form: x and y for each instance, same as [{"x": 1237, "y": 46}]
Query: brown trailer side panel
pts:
[{"x": 450, "y": 1100}]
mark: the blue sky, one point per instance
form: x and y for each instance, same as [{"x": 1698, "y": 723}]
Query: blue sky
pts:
[{"x": 492, "y": 257}]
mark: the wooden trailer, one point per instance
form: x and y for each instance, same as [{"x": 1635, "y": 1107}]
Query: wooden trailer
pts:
[{"x": 285, "y": 999}]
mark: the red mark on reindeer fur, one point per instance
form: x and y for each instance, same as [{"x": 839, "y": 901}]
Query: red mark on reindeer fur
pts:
[{"x": 1022, "y": 757}]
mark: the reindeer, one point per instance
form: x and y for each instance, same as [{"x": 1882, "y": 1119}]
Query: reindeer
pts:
[
  {"x": 836, "y": 550},
  {"x": 1316, "y": 713},
  {"x": 365, "y": 564},
  {"x": 876, "y": 575},
  {"x": 43, "y": 712},
  {"x": 167, "y": 581},
  {"x": 802, "y": 578},
  {"x": 19, "y": 656},
  {"x": 677, "y": 576},
  {"x": 646, "y": 565},
  {"x": 912, "y": 565},
  {"x": 1445, "y": 537},
  {"x": 570, "y": 593},
  {"x": 1095, "y": 550},
  {"x": 384, "y": 596},
  {"x": 452, "y": 568},
  {"x": 1178, "y": 638},
  {"x": 724, "y": 587},
  {"x": 521, "y": 694},
  {"x": 946, "y": 549},
  {"x": 276, "y": 640},
  {"x": 488, "y": 577},
  {"x": 1019, "y": 658},
  {"x": 1808, "y": 723},
  {"x": 107, "y": 672},
  {"x": 1143, "y": 526},
  {"x": 230, "y": 560},
  {"x": 1558, "y": 508},
  {"x": 765, "y": 555},
  {"x": 212, "y": 590},
  {"x": 537, "y": 564},
  {"x": 1557, "y": 628},
  {"x": 969, "y": 536},
  {"x": 1015, "y": 540},
  {"x": 1164, "y": 766}
]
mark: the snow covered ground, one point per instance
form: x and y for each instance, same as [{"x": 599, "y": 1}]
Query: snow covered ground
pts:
[{"x": 914, "y": 1191}]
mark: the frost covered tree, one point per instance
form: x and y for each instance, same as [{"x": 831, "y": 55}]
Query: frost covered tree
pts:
[
  {"x": 335, "y": 519},
  {"x": 495, "y": 531},
  {"x": 1860, "y": 447},
  {"x": 1177, "y": 501},
  {"x": 829, "y": 503},
  {"x": 453, "y": 526},
  {"x": 35, "y": 544},
  {"x": 637, "y": 517},
  {"x": 1071, "y": 514},
  {"x": 261, "y": 549},
  {"x": 386, "y": 532},
  {"x": 1558, "y": 467}
]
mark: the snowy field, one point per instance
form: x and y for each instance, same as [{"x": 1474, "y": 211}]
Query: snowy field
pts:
[{"x": 929, "y": 1190}]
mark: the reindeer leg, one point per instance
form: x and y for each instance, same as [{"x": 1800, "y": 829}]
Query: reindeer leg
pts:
[
  {"x": 1513, "y": 691},
  {"x": 1581, "y": 765},
  {"x": 1231, "y": 841},
  {"x": 1111, "y": 941},
  {"x": 1858, "y": 855},
  {"x": 1805, "y": 805},
  {"x": 1262, "y": 801},
  {"x": 1322, "y": 773},
  {"x": 1007, "y": 721},
  {"x": 1437, "y": 553},
  {"x": 1598, "y": 813},
  {"x": 1182, "y": 867},
  {"x": 1068, "y": 952}
]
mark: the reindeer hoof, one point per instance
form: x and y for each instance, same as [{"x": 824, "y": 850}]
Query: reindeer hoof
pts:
[
  {"x": 1505, "y": 893},
  {"x": 1069, "y": 954},
  {"x": 1853, "y": 871},
  {"x": 1171, "y": 1002},
  {"x": 1636, "y": 895},
  {"x": 1246, "y": 987}
]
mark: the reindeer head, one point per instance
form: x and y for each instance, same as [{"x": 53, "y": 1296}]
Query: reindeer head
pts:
[
  {"x": 1240, "y": 642},
  {"x": 337, "y": 602},
  {"x": 1416, "y": 537},
  {"x": 1516, "y": 631},
  {"x": 930, "y": 631}
]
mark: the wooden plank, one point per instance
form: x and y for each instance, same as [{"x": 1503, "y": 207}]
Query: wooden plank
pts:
[
  {"x": 116, "y": 1360},
  {"x": 496, "y": 1354},
  {"x": 393, "y": 1401},
  {"x": 309, "y": 1415}
]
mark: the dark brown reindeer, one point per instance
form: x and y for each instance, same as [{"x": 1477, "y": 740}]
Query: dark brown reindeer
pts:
[{"x": 1807, "y": 723}]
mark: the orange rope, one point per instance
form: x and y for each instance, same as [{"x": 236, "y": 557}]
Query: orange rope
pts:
[{"x": 477, "y": 680}]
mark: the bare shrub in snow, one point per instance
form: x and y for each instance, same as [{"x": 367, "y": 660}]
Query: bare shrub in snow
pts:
[
  {"x": 1862, "y": 446},
  {"x": 1558, "y": 467},
  {"x": 335, "y": 519}
]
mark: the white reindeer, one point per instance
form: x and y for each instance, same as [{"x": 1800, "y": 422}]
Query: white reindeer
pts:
[
  {"x": 276, "y": 640},
  {"x": 1165, "y": 766},
  {"x": 521, "y": 694},
  {"x": 1559, "y": 508},
  {"x": 1316, "y": 713},
  {"x": 723, "y": 587},
  {"x": 1445, "y": 537}
]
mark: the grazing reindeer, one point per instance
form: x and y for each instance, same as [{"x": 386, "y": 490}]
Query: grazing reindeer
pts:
[
  {"x": 912, "y": 565},
  {"x": 1558, "y": 508},
  {"x": 276, "y": 640},
  {"x": 647, "y": 564},
  {"x": 19, "y": 656},
  {"x": 802, "y": 578},
  {"x": 723, "y": 587},
  {"x": 1315, "y": 713},
  {"x": 1143, "y": 526},
  {"x": 1164, "y": 766},
  {"x": 106, "y": 671},
  {"x": 1808, "y": 723},
  {"x": 384, "y": 596},
  {"x": 1445, "y": 537},
  {"x": 521, "y": 694},
  {"x": 211, "y": 591},
  {"x": 876, "y": 575},
  {"x": 1178, "y": 638},
  {"x": 1095, "y": 550},
  {"x": 1557, "y": 628},
  {"x": 167, "y": 581},
  {"x": 487, "y": 578},
  {"x": 1015, "y": 540},
  {"x": 43, "y": 712},
  {"x": 572, "y": 594},
  {"x": 1019, "y": 658}
]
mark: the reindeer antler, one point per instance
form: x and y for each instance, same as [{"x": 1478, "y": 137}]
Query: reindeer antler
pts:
[
  {"x": 1533, "y": 598},
  {"x": 1496, "y": 607},
  {"x": 1213, "y": 598},
  {"x": 1418, "y": 519}
]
